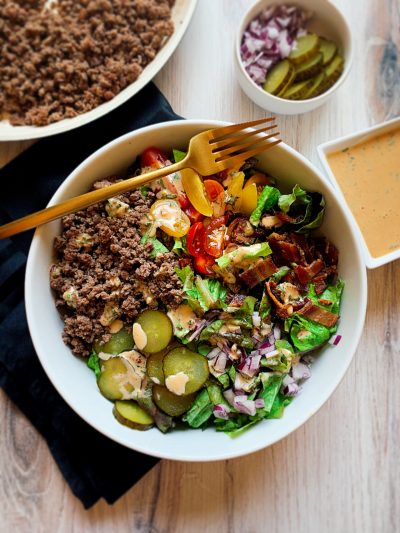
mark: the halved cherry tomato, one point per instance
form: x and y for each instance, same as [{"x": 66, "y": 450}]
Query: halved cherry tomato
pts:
[
  {"x": 203, "y": 264},
  {"x": 184, "y": 202},
  {"x": 168, "y": 215},
  {"x": 214, "y": 242},
  {"x": 153, "y": 157},
  {"x": 193, "y": 214},
  {"x": 194, "y": 188},
  {"x": 195, "y": 239},
  {"x": 216, "y": 194},
  {"x": 213, "y": 189},
  {"x": 259, "y": 179}
]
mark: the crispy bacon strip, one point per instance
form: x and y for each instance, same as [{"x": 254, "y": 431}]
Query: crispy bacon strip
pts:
[
  {"x": 263, "y": 269},
  {"x": 318, "y": 314},
  {"x": 306, "y": 273}
]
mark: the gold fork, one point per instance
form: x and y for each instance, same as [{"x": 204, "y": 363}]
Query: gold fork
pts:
[{"x": 209, "y": 152}]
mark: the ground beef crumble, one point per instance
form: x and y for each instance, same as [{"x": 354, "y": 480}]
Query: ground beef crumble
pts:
[
  {"x": 103, "y": 272},
  {"x": 60, "y": 58}
]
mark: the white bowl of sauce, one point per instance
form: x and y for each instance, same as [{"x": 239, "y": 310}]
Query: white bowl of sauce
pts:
[{"x": 365, "y": 168}]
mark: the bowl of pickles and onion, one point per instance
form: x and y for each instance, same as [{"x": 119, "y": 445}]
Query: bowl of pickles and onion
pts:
[{"x": 311, "y": 66}]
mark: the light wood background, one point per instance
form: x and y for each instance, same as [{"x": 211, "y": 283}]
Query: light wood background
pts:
[{"x": 340, "y": 472}]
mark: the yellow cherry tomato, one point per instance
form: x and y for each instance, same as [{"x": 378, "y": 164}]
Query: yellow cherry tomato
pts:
[
  {"x": 247, "y": 201},
  {"x": 194, "y": 188},
  {"x": 236, "y": 185},
  {"x": 168, "y": 215},
  {"x": 259, "y": 179}
]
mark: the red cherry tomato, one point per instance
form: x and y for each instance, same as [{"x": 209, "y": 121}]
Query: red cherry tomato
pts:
[
  {"x": 184, "y": 203},
  {"x": 215, "y": 236},
  {"x": 193, "y": 214},
  {"x": 153, "y": 157},
  {"x": 195, "y": 239},
  {"x": 203, "y": 264},
  {"x": 213, "y": 188}
]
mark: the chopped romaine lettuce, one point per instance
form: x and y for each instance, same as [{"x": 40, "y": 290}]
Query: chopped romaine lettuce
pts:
[
  {"x": 178, "y": 155},
  {"x": 158, "y": 247},
  {"x": 278, "y": 407},
  {"x": 201, "y": 294},
  {"x": 280, "y": 273},
  {"x": 179, "y": 245},
  {"x": 241, "y": 254},
  {"x": 314, "y": 214},
  {"x": 265, "y": 306},
  {"x": 94, "y": 363},
  {"x": 298, "y": 195},
  {"x": 330, "y": 298},
  {"x": 271, "y": 384},
  {"x": 215, "y": 394},
  {"x": 305, "y": 334},
  {"x": 268, "y": 199},
  {"x": 224, "y": 380},
  {"x": 200, "y": 411},
  {"x": 211, "y": 330}
]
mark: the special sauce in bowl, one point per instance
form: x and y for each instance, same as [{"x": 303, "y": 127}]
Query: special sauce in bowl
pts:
[{"x": 368, "y": 174}]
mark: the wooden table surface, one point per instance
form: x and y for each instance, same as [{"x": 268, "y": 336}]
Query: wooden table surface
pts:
[{"x": 338, "y": 473}]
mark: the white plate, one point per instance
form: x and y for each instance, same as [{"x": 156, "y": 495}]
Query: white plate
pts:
[
  {"x": 77, "y": 384},
  {"x": 348, "y": 141},
  {"x": 181, "y": 16}
]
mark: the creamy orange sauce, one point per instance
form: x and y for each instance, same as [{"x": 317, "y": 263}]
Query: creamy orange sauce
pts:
[{"x": 369, "y": 176}]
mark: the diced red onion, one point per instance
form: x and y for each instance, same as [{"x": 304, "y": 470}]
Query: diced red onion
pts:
[
  {"x": 335, "y": 339},
  {"x": 244, "y": 405},
  {"x": 259, "y": 403},
  {"x": 270, "y": 37},
  {"x": 271, "y": 354},
  {"x": 289, "y": 386},
  {"x": 268, "y": 352},
  {"x": 250, "y": 366},
  {"x": 221, "y": 411},
  {"x": 213, "y": 353},
  {"x": 229, "y": 395},
  {"x": 277, "y": 333},
  {"x": 198, "y": 329},
  {"x": 300, "y": 371},
  {"x": 256, "y": 319}
]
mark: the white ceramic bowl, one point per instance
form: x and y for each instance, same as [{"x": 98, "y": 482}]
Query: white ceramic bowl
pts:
[
  {"x": 327, "y": 22},
  {"x": 76, "y": 383}
]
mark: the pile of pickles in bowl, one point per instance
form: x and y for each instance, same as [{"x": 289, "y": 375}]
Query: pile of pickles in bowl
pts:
[{"x": 311, "y": 68}]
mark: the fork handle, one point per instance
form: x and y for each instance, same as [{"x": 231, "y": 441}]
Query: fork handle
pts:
[{"x": 81, "y": 202}]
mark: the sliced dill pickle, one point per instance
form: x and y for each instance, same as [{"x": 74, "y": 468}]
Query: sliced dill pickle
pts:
[
  {"x": 154, "y": 368},
  {"x": 317, "y": 83},
  {"x": 119, "y": 342},
  {"x": 328, "y": 50},
  {"x": 279, "y": 77},
  {"x": 309, "y": 68},
  {"x": 332, "y": 73},
  {"x": 297, "y": 90},
  {"x": 307, "y": 46},
  {"x": 170, "y": 403},
  {"x": 158, "y": 329},
  {"x": 192, "y": 364},
  {"x": 109, "y": 381},
  {"x": 130, "y": 414}
]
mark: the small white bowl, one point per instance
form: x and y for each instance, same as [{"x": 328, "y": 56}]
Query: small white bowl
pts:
[
  {"x": 77, "y": 384},
  {"x": 328, "y": 22},
  {"x": 341, "y": 143}
]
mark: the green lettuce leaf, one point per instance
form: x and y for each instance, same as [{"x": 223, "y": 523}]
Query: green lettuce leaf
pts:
[
  {"x": 215, "y": 393},
  {"x": 211, "y": 330},
  {"x": 314, "y": 214},
  {"x": 298, "y": 195},
  {"x": 305, "y": 334},
  {"x": 278, "y": 407},
  {"x": 236, "y": 426},
  {"x": 243, "y": 314},
  {"x": 271, "y": 384},
  {"x": 201, "y": 294},
  {"x": 179, "y": 245},
  {"x": 332, "y": 294},
  {"x": 178, "y": 155},
  {"x": 265, "y": 307},
  {"x": 158, "y": 247},
  {"x": 224, "y": 380},
  {"x": 94, "y": 363},
  {"x": 268, "y": 199},
  {"x": 200, "y": 411},
  {"x": 242, "y": 253}
]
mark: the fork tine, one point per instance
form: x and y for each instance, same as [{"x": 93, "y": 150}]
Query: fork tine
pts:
[
  {"x": 218, "y": 145},
  {"x": 240, "y": 147},
  {"x": 241, "y": 158},
  {"x": 218, "y": 133}
]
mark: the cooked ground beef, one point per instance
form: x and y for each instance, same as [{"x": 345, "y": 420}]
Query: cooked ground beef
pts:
[
  {"x": 103, "y": 273},
  {"x": 60, "y": 58}
]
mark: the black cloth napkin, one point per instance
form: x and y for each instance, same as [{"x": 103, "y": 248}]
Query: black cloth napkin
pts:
[{"x": 93, "y": 465}]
